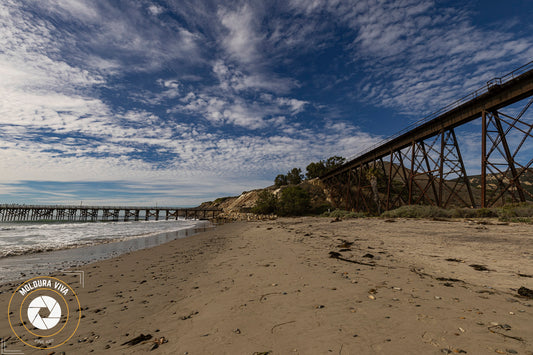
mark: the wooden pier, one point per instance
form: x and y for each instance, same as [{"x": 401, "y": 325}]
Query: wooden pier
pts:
[{"x": 28, "y": 213}]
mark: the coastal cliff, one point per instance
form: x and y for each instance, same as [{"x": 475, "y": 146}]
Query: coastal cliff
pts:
[{"x": 240, "y": 207}]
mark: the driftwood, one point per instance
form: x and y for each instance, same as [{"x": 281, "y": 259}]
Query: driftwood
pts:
[
  {"x": 278, "y": 325},
  {"x": 491, "y": 329},
  {"x": 338, "y": 256},
  {"x": 138, "y": 339},
  {"x": 263, "y": 297},
  {"x": 423, "y": 274},
  {"x": 526, "y": 292}
]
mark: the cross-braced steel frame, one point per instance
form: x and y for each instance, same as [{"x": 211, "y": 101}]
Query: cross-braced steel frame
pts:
[
  {"x": 501, "y": 172},
  {"x": 425, "y": 165}
]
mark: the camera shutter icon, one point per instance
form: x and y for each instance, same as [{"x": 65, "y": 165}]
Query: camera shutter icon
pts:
[{"x": 47, "y": 322}]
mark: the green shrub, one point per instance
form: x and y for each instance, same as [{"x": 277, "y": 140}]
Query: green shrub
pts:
[
  {"x": 266, "y": 203},
  {"x": 341, "y": 214},
  {"x": 527, "y": 220},
  {"x": 315, "y": 170},
  {"x": 516, "y": 212},
  {"x": 521, "y": 212},
  {"x": 294, "y": 201},
  {"x": 280, "y": 180},
  {"x": 417, "y": 211},
  {"x": 294, "y": 177},
  {"x": 485, "y": 213},
  {"x": 344, "y": 214},
  {"x": 222, "y": 199},
  {"x": 321, "y": 209},
  {"x": 464, "y": 213}
]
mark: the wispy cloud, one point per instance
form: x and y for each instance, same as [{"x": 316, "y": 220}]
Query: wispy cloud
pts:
[
  {"x": 241, "y": 41},
  {"x": 416, "y": 56},
  {"x": 196, "y": 159},
  {"x": 221, "y": 96}
]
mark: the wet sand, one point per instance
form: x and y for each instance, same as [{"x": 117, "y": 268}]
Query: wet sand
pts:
[
  {"x": 395, "y": 287},
  {"x": 43, "y": 263}
]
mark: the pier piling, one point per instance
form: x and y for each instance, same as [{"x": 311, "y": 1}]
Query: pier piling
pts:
[{"x": 21, "y": 213}]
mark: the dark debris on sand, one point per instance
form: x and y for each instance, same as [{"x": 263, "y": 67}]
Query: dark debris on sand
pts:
[{"x": 525, "y": 292}]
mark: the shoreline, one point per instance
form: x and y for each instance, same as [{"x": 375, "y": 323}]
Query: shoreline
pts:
[
  {"x": 271, "y": 286},
  {"x": 36, "y": 262}
]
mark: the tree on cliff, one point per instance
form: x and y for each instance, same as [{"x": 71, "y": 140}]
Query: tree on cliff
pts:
[
  {"x": 294, "y": 177},
  {"x": 267, "y": 203},
  {"x": 315, "y": 170},
  {"x": 294, "y": 201},
  {"x": 280, "y": 180},
  {"x": 318, "y": 169},
  {"x": 334, "y": 162}
]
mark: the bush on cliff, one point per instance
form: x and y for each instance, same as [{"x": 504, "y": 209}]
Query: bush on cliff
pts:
[
  {"x": 321, "y": 167},
  {"x": 294, "y": 176},
  {"x": 281, "y": 180},
  {"x": 267, "y": 203},
  {"x": 294, "y": 201}
]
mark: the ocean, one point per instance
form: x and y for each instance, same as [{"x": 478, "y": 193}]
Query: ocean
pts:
[{"x": 30, "y": 249}]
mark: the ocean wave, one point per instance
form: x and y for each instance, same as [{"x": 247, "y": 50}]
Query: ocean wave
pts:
[
  {"x": 19, "y": 240},
  {"x": 41, "y": 248}
]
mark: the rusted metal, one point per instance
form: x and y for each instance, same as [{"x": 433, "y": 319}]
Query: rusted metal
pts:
[
  {"x": 506, "y": 174},
  {"x": 484, "y": 160},
  {"x": 515, "y": 89},
  {"x": 463, "y": 170},
  {"x": 426, "y": 164}
]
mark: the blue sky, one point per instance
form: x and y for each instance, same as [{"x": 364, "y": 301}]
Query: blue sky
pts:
[{"x": 178, "y": 102}]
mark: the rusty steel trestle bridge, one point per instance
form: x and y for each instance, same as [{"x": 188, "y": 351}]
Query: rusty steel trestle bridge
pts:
[
  {"x": 423, "y": 163},
  {"x": 21, "y": 213}
]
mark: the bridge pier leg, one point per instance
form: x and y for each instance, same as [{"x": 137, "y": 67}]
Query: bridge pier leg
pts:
[
  {"x": 463, "y": 169},
  {"x": 412, "y": 172},
  {"x": 508, "y": 157}
]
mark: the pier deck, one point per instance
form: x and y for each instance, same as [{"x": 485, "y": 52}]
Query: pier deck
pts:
[{"x": 21, "y": 213}]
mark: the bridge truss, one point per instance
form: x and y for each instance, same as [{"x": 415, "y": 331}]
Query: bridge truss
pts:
[{"x": 424, "y": 164}]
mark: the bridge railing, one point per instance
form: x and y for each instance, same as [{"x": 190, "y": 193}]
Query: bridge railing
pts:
[{"x": 482, "y": 90}]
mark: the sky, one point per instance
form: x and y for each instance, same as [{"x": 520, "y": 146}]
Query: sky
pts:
[{"x": 176, "y": 102}]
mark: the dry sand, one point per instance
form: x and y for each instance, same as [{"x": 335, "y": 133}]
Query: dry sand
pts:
[{"x": 271, "y": 287}]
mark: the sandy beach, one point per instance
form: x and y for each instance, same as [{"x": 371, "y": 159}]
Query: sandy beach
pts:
[{"x": 393, "y": 286}]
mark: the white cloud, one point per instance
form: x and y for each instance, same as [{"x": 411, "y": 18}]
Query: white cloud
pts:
[
  {"x": 172, "y": 89},
  {"x": 229, "y": 165},
  {"x": 416, "y": 56},
  {"x": 242, "y": 40},
  {"x": 227, "y": 108},
  {"x": 155, "y": 10},
  {"x": 296, "y": 106},
  {"x": 232, "y": 79},
  {"x": 117, "y": 34},
  {"x": 78, "y": 9},
  {"x": 220, "y": 71}
]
